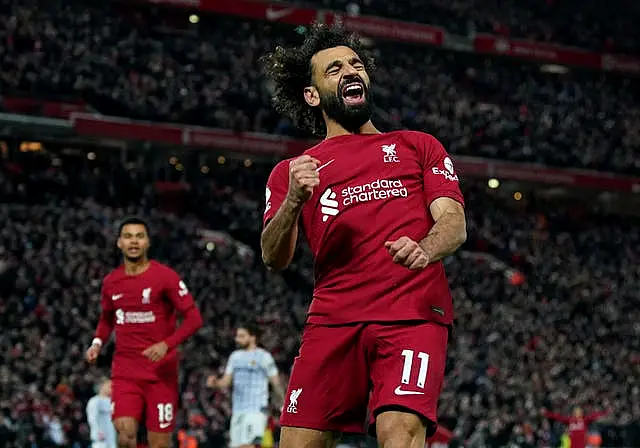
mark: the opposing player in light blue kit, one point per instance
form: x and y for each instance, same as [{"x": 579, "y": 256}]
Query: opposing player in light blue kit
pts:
[
  {"x": 103, "y": 433},
  {"x": 250, "y": 369}
]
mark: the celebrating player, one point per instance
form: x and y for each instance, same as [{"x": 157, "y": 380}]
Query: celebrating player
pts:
[
  {"x": 578, "y": 424},
  {"x": 250, "y": 369},
  {"x": 380, "y": 211},
  {"x": 103, "y": 434},
  {"x": 140, "y": 300}
]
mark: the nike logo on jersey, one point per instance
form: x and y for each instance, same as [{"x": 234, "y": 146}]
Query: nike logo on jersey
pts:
[
  {"x": 164, "y": 425},
  {"x": 116, "y": 297},
  {"x": 326, "y": 164},
  {"x": 399, "y": 391}
]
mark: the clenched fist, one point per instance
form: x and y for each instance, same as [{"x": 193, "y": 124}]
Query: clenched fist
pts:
[
  {"x": 408, "y": 253},
  {"x": 303, "y": 178}
]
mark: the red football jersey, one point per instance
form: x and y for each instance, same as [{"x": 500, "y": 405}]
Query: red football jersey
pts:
[
  {"x": 578, "y": 426},
  {"x": 142, "y": 309},
  {"x": 373, "y": 188}
]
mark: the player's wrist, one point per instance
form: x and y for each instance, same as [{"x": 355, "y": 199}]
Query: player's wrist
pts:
[
  {"x": 294, "y": 202},
  {"x": 426, "y": 249},
  {"x": 97, "y": 342}
]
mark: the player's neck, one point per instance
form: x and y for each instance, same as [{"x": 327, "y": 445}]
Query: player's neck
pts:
[
  {"x": 136, "y": 267},
  {"x": 334, "y": 129}
]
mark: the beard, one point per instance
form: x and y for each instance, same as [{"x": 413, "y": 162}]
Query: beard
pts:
[{"x": 350, "y": 116}]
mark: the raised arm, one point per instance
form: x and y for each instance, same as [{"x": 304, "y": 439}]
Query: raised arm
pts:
[
  {"x": 290, "y": 185},
  {"x": 557, "y": 417},
  {"x": 590, "y": 418}
]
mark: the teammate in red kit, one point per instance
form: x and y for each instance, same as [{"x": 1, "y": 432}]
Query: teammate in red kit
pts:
[
  {"x": 578, "y": 424},
  {"x": 380, "y": 211},
  {"x": 140, "y": 300}
]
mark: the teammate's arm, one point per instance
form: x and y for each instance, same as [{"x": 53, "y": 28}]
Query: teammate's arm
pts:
[
  {"x": 557, "y": 417},
  {"x": 183, "y": 301},
  {"x": 178, "y": 293},
  {"x": 104, "y": 329},
  {"x": 590, "y": 418},
  {"x": 278, "y": 240}
]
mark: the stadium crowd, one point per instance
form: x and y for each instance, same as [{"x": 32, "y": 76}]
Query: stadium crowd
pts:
[
  {"x": 592, "y": 25},
  {"x": 547, "y": 312},
  {"x": 136, "y": 63},
  {"x": 546, "y": 297}
]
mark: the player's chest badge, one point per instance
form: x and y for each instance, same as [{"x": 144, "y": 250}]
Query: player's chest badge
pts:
[{"x": 146, "y": 296}]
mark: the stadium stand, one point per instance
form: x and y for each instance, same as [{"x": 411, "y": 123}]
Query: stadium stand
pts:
[
  {"x": 208, "y": 75},
  {"x": 591, "y": 24},
  {"x": 560, "y": 332},
  {"x": 545, "y": 291}
]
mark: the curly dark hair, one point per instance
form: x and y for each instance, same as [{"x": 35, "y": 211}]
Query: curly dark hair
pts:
[{"x": 290, "y": 69}]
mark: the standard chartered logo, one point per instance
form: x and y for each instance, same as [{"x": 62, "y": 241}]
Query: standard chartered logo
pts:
[
  {"x": 329, "y": 204},
  {"x": 380, "y": 189},
  {"x": 134, "y": 317}
]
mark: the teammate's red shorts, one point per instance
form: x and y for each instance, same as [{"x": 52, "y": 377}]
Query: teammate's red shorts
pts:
[
  {"x": 343, "y": 371},
  {"x": 155, "y": 401}
]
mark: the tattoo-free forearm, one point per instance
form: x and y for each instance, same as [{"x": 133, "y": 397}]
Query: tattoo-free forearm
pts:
[
  {"x": 447, "y": 234},
  {"x": 278, "y": 240},
  {"x": 278, "y": 392}
]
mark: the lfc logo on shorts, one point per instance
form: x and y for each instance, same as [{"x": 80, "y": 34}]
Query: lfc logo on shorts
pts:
[{"x": 293, "y": 401}]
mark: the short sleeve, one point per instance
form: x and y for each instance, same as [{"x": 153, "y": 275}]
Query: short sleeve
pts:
[
  {"x": 228, "y": 370},
  {"x": 440, "y": 177},
  {"x": 177, "y": 291},
  {"x": 269, "y": 365},
  {"x": 276, "y": 190}
]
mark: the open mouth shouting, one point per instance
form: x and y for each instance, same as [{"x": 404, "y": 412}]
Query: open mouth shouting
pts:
[
  {"x": 353, "y": 93},
  {"x": 134, "y": 251}
]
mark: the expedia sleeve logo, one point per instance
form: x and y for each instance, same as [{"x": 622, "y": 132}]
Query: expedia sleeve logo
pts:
[{"x": 448, "y": 172}]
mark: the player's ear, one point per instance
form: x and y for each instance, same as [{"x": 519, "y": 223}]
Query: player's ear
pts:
[
  {"x": 312, "y": 96},
  {"x": 119, "y": 244}
]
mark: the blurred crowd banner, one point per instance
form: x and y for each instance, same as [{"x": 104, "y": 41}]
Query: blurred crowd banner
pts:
[
  {"x": 278, "y": 146},
  {"x": 416, "y": 33}
]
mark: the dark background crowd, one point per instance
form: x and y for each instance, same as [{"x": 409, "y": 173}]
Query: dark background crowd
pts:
[
  {"x": 591, "y": 24},
  {"x": 546, "y": 293},
  {"x": 153, "y": 64}
]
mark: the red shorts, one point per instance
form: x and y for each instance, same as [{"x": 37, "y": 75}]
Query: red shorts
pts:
[
  {"x": 343, "y": 371},
  {"x": 156, "y": 401}
]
